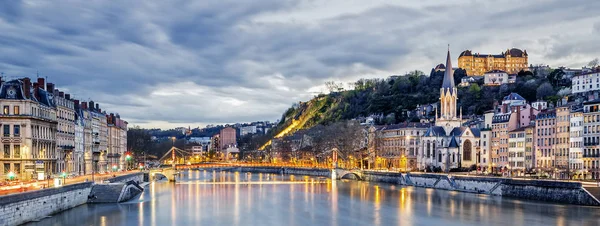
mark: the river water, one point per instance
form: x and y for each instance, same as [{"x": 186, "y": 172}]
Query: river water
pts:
[{"x": 231, "y": 198}]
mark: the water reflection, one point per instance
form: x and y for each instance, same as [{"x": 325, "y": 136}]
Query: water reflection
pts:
[{"x": 231, "y": 198}]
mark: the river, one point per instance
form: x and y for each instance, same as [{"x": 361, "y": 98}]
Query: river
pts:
[{"x": 232, "y": 198}]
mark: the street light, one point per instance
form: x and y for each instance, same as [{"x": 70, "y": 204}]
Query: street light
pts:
[{"x": 11, "y": 175}]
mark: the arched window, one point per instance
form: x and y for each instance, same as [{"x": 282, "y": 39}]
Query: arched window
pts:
[
  {"x": 467, "y": 146},
  {"x": 428, "y": 148}
]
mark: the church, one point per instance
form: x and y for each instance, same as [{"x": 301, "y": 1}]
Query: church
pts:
[{"x": 448, "y": 144}]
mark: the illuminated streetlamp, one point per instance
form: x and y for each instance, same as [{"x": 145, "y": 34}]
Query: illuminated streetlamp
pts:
[{"x": 11, "y": 175}]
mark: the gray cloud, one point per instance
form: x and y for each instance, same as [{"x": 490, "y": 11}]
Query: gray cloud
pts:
[{"x": 203, "y": 62}]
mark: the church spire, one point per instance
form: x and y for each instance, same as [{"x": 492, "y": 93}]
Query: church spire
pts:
[{"x": 448, "y": 74}]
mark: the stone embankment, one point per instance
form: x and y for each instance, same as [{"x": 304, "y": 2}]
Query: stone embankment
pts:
[
  {"x": 20, "y": 208},
  {"x": 540, "y": 190}
]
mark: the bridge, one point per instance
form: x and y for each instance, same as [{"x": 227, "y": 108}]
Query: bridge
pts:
[
  {"x": 170, "y": 173},
  {"x": 340, "y": 173}
]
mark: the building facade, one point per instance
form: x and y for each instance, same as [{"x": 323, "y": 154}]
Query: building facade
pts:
[
  {"x": 591, "y": 139},
  {"x": 29, "y": 125},
  {"x": 576, "y": 144},
  {"x": 399, "y": 145},
  {"x": 511, "y": 61}
]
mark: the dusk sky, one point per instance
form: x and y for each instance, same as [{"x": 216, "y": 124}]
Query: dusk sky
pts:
[{"x": 178, "y": 63}]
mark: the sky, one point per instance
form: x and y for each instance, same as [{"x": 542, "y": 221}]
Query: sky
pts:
[{"x": 164, "y": 64}]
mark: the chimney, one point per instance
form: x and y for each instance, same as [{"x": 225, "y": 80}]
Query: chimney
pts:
[
  {"x": 1, "y": 80},
  {"x": 41, "y": 83},
  {"x": 68, "y": 96},
  {"x": 27, "y": 87},
  {"x": 50, "y": 87},
  {"x": 61, "y": 94},
  {"x": 97, "y": 106},
  {"x": 75, "y": 104},
  {"x": 84, "y": 105},
  {"x": 55, "y": 92},
  {"x": 91, "y": 105}
]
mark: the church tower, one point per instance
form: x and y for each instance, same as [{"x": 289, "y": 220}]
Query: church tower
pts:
[{"x": 448, "y": 99}]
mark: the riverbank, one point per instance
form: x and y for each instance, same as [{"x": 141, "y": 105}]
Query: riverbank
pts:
[
  {"x": 20, "y": 208},
  {"x": 539, "y": 190}
]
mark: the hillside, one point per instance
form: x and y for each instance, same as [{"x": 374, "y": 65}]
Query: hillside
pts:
[{"x": 390, "y": 99}]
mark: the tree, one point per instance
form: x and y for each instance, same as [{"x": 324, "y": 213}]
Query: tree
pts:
[
  {"x": 555, "y": 76},
  {"x": 545, "y": 90},
  {"x": 593, "y": 63}
]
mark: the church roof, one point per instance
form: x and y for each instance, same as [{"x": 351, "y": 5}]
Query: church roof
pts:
[
  {"x": 448, "y": 74},
  {"x": 435, "y": 131},
  {"x": 453, "y": 143},
  {"x": 459, "y": 131}
]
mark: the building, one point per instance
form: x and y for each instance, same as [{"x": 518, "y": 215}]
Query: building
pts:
[
  {"x": 65, "y": 132},
  {"x": 513, "y": 114},
  {"x": 117, "y": 142},
  {"x": 90, "y": 157},
  {"x": 562, "y": 142},
  {"x": 398, "y": 145},
  {"x": 227, "y": 138},
  {"x": 512, "y": 61},
  {"x": 591, "y": 139},
  {"x": 516, "y": 151},
  {"x": 448, "y": 144},
  {"x": 586, "y": 84},
  {"x": 483, "y": 157},
  {"x": 495, "y": 78},
  {"x": 79, "y": 151},
  {"x": 29, "y": 125},
  {"x": 244, "y": 130},
  {"x": 467, "y": 81},
  {"x": 576, "y": 144},
  {"x": 545, "y": 125}
]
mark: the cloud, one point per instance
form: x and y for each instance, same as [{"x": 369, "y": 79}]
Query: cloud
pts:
[{"x": 201, "y": 62}]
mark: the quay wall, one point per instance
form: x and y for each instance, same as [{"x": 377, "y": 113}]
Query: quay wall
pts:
[
  {"x": 20, "y": 208},
  {"x": 540, "y": 190},
  {"x": 24, "y": 207}
]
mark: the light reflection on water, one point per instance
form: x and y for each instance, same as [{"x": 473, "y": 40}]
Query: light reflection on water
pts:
[{"x": 232, "y": 198}]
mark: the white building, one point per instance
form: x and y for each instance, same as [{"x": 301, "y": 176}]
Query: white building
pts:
[
  {"x": 485, "y": 150},
  {"x": 586, "y": 84},
  {"x": 495, "y": 78},
  {"x": 516, "y": 150},
  {"x": 576, "y": 143},
  {"x": 244, "y": 130}
]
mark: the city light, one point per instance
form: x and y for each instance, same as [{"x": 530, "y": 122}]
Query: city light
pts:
[
  {"x": 11, "y": 175},
  {"x": 128, "y": 157}
]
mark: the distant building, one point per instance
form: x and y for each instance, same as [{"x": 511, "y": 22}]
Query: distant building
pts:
[
  {"x": 244, "y": 130},
  {"x": 512, "y": 61},
  {"x": 227, "y": 138},
  {"x": 467, "y": 81},
  {"x": 495, "y": 78}
]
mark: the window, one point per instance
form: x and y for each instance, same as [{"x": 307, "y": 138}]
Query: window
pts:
[
  {"x": 6, "y": 168},
  {"x": 17, "y": 130},
  {"x": 16, "y": 110},
  {"x": 7, "y": 130},
  {"x": 6, "y": 151},
  {"x": 17, "y": 168},
  {"x": 17, "y": 152},
  {"x": 6, "y": 110}
]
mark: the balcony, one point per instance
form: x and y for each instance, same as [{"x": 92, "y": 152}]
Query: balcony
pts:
[{"x": 591, "y": 143}]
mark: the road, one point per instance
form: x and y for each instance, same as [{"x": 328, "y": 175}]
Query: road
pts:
[{"x": 37, "y": 185}]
